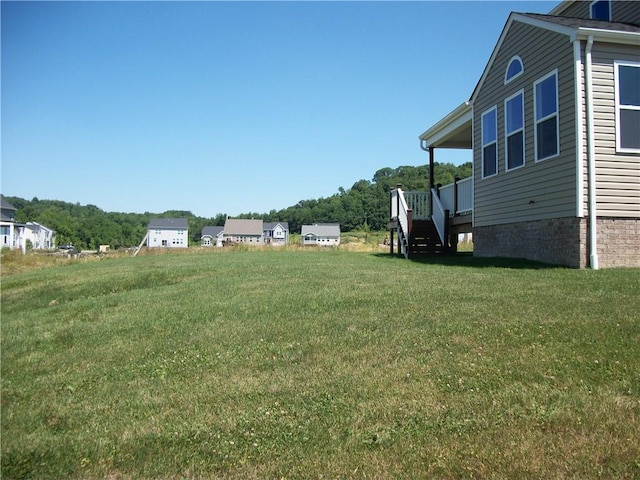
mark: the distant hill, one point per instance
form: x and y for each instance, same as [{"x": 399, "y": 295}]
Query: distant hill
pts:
[{"x": 364, "y": 205}]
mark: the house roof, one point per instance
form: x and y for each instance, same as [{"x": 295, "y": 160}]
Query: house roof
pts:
[
  {"x": 321, "y": 229},
  {"x": 212, "y": 231},
  {"x": 241, "y": 226},
  {"x": 5, "y": 205},
  {"x": 169, "y": 223},
  {"x": 573, "y": 28},
  {"x": 36, "y": 226},
  {"x": 272, "y": 225},
  {"x": 453, "y": 131}
]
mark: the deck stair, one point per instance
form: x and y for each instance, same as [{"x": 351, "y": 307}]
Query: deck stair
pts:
[{"x": 424, "y": 240}]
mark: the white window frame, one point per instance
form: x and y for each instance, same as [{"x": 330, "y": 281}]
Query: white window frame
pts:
[
  {"x": 515, "y": 58},
  {"x": 484, "y": 145},
  {"x": 592, "y": 4},
  {"x": 507, "y": 133},
  {"x": 619, "y": 106},
  {"x": 537, "y": 120}
]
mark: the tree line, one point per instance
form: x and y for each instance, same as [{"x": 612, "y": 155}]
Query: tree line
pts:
[{"x": 363, "y": 206}]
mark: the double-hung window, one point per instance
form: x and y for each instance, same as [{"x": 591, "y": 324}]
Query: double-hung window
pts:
[
  {"x": 627, "y": 79},
  {"x": 490, "y": 143},
  {"x": 514, "y": 130},
  {"x": 547, "y": 134}
]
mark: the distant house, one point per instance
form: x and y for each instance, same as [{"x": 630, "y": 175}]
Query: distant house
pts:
[
  {"x": 322, "y": 234},
  {"x": 239, "y": 230},
  {"x": 168, "y": 233},
  {"x": 11, "y": 233},
  {"x": 41, "y": 237},
  {"x": 276, "y": 233},
  {"x": 212, "y": 236}
]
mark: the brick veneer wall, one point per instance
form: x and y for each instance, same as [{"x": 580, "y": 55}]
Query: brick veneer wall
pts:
[
  {"x": 619, "y": 242},
  {"x": 562, "y": 241}
]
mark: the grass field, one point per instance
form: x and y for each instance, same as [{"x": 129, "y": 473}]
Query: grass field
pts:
[{"x": 305, "y": 364}]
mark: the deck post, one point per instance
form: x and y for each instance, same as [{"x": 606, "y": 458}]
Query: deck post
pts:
[
  {"x": 431, "y": 179},
  {"x": 447, "y": 231},
  {"x": 455, "y": 195}
]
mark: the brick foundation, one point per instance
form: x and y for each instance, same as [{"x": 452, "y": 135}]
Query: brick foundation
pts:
[{"x": 562, "y": 241}]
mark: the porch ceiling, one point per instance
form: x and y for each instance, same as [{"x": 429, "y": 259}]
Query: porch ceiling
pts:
[{"x": 453, "y": 131}]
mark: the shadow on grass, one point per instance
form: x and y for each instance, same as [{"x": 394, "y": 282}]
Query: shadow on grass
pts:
[{"x": 466, "y": 259}]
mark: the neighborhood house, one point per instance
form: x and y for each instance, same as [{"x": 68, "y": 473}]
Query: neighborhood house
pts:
[
  {"x": 168, "y": 233},
  {"x": 211, "y": 236},
  {"x": 554, "y": 128},
  {"x": 15, "y": 235},
  {"x": 238, "y": 230},
  {"x": 322, "y": 234}
]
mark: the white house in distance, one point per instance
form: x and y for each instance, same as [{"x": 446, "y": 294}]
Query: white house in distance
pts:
[
  {"x": 11, "y": 233},
  {"x": 322, "y": 234},
  {"x": 168, "y": 233},
  {"x": 276, "y": 233},
  {"x": 212, "y": 236},
  {"x": 41, "y": 237}
]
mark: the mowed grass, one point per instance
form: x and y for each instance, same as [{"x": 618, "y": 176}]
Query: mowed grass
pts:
[{"x": 319, "y": 364}]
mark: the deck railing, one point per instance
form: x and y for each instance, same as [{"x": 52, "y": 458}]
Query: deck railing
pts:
[
  {"x": 457, "y": 197},
  {"x": 406, "y": 206}
]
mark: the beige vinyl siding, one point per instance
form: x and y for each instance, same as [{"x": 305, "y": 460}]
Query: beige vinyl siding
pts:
[
  {"x": 545, "y": 189},
  {"x": 617, "y": 174}
]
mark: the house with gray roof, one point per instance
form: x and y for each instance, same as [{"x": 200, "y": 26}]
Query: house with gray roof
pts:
[
  {"x": 553, "y": 125},
  {"x": 212, "y": 236},
  {"x": 168, "y": 233},
  {"x": 321, "y": 234},
  {"x": 11, "y": 232},
  {"x": 241, "y": 230},
  {"x": 276, "y": 233}
]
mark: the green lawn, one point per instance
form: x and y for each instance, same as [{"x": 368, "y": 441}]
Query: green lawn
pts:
[{"x": 304, "y": 364}]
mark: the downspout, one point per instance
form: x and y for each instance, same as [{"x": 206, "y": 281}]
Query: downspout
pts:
[{"x": 591, "y": 158}]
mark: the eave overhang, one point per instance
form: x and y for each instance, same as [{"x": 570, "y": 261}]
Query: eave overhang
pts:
[{"x": 452, "y": 131}]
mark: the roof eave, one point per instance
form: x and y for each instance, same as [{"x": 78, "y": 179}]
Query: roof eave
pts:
[{"x": 441, "y": 134}]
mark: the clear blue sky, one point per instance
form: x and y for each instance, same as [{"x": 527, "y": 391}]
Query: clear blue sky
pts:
[{"x": 229, "y": 107}]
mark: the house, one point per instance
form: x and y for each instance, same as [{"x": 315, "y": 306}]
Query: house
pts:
[
  {"x": 41, "y": 237},
  {"x": 554, "y": 127},
  {"x": 239, "y": 230},
  {"x": 11, "y": 232},
  {"x": 276, "y": 233},
  {"x": 322, "y": 234},
  {"x": 211, "y": 236},
  {"x": 168, "y": 233}
]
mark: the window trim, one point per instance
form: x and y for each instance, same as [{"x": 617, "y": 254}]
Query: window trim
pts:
[
  {"x": 593, "y": 3},
  {"x": 507, "y": 133},
  {"x": 536, "y": 121},
  {"x": 515, "y": 58},
  {"x": 484, "y": 145},
  {"x": 617, "y": 64}
]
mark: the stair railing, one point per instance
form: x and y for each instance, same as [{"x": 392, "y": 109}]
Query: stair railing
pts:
[
  {"x": 403, "y": 215},
  {"x": 440, "y": 217}
]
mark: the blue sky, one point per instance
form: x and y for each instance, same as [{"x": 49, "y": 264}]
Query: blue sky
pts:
[{"x": 229, "y": 107}]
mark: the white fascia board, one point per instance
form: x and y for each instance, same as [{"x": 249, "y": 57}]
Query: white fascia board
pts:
[
  {"x": 609, "y": 36},
  {"x": 447, "y": 125}
]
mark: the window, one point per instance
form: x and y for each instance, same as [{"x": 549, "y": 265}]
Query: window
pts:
[
  {"x": 490, "y": 143},
  {"x": 601, "y": 10},
  {"x": 547, "y": 135},
  {"x": 515, "y": 69},
  {"x": 627, "y": 79},
  {"x": 514, "y": 130}
]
